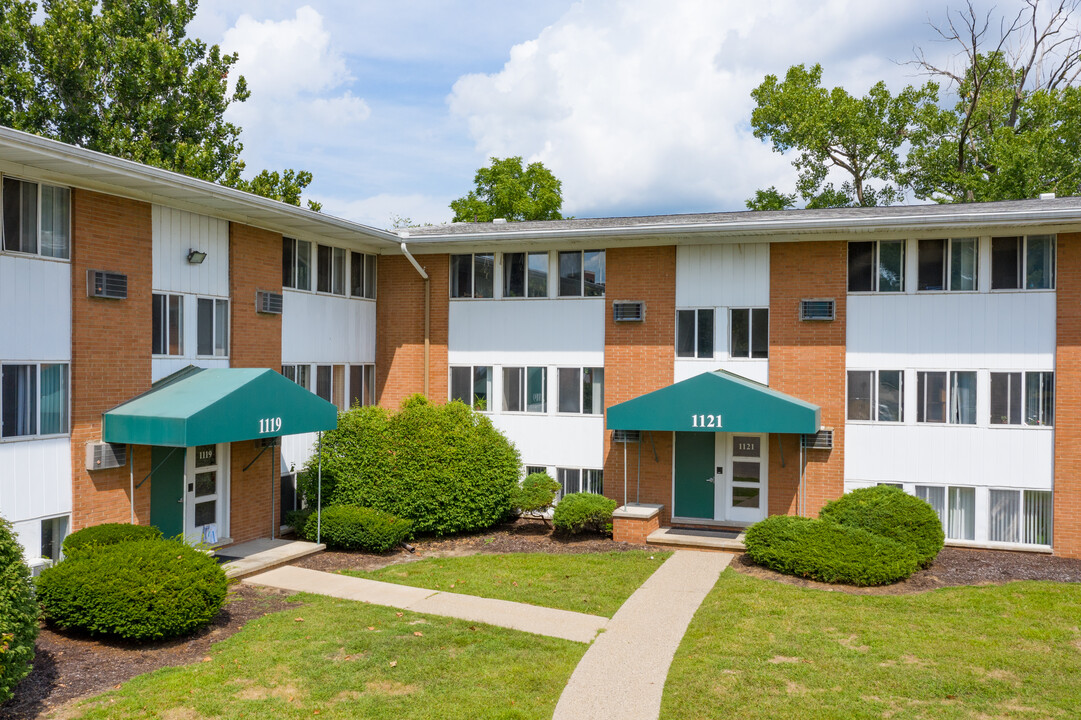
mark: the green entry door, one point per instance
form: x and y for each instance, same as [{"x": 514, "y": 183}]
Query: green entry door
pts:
[
  {"x": 695, "y": 475},
  {"x": 167, "y": 490}
]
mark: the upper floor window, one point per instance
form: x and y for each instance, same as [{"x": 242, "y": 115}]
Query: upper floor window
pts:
[
  {"x": 212, "y": 322},
  {"x": 750, "y": 332},
  {"x": 361, "y": 385},
  {"x": 472, "y": 385},
  {"x": 300, "y": 374},
  {"x": 525, "y": 389},
  {"x": 694, "y": 333},
  {"x": 1023, "y": 263},
  {"x": 525, "y": 275},
  {"x": 581, "y": 390},
  {"x": 168, "y": 324},
  {"x": 939, "y": 401},
  {"x": 362, "y": 275},
  {"x": 330, "y": 269},
  {"x": 581, "y": 274},
  {"x": 948, "y": 264},
  {"x": 37, "y": 218},
  {"x": 876, "y": 266},
  {"x": 296, "y": 264},
  {"x": 472, "y": 276},
  {"x": 1038, "y": 406},
  {"x": 876, "y": 395},
  {"x": 33, "y": 399}
]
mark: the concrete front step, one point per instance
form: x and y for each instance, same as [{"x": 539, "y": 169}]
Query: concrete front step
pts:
[
  {"x": 260, "y": 555},
  {"x": 680, "y": 538}
]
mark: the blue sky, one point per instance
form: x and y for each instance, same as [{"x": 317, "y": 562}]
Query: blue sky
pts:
[{"x": 638, "y": 106}]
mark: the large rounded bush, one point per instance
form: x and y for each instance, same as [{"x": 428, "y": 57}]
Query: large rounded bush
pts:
[
  {"x": 18, "y": 614},
  {"x": 108, "y": 534},
  {"x": 583, "y": 511},
  {"x": 825, "y": 551},
  {"x": 892, "y": 513},
  {"x": 445, "y": 467},
  {"x": 140, "y": 590},
  {"x": 345, "y": 527}
]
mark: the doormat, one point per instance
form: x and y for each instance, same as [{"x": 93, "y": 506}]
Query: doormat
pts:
[{"x": 722, "y": 534}]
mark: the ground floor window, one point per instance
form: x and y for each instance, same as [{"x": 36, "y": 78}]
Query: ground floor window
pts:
[
  {"x": 575, "y": 480},
  {"x": 53, "y": 532},
  {"x": 1013, "y": 515},
  {"x": 361, "y": 385}
]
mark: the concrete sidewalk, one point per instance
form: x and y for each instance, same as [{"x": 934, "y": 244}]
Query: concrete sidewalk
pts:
[
  {"x": 623, "y": 672},
  {"x": 565, "y": 624}
]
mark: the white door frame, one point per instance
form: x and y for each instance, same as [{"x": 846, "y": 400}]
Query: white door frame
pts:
[
  {"x": 220, "y": 529},
  {"x": 732, "y": 512}
]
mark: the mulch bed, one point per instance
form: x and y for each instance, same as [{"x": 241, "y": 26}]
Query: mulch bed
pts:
[{"x": 70, "y": 667}]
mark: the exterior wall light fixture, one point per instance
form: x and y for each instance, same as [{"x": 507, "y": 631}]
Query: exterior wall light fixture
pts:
[{"x": 195, "y": 257}]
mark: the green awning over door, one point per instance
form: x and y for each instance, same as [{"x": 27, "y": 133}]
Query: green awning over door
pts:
[
  {"x": 716, "y": 402},
  {"x": 197, "y": 406}
]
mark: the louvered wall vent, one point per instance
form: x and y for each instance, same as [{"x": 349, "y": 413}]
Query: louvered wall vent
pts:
[
  {"x": 821, "y": 440},
  {"x": 102, "y": 456},
  {"x": 816, "y": 309},
  {"x": 626, "y": 436},
  {"x": 268, "y": 302},
  {"x": 103, "y": 284},
  {"x": 629, "y": 311}
]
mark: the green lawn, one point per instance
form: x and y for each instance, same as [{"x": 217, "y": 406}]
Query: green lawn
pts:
[
  {"x": 590, "y": 583},
  {"x": 759, "y": 649},
  {"x": 353, "y": 660}
]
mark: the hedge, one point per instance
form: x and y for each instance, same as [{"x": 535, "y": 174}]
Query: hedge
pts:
[
  {"x": 18, "y": 614},
  {"x": 346, "y": 527},
  {"x": 892, "y": 513},
  {"x": 139, "y": 590},
  {"x": 583, "y": 511},
  {"x": 536, "y": 494},
  {"x": 445, "y": 467},
  {"x": 108, "y": 534},
  {"x": 829, "y": 552}
]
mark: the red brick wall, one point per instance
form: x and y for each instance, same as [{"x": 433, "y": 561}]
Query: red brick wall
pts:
[
  {"x": 399, "y": 344},
  {"x": 110, "y": 348},
  {"x": 807, "y": 360},
  {"x": 634, "y": 530},
  {"x": 255, "y": 263},
  {"x": 1067, "y": 495},
  {"x": 640, "y": 358}
]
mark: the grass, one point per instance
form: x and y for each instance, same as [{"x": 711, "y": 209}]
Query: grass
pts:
[
  {"x": 759, "y": 649},
  {"x": 351, "y": 660},
  {"x": 594, "y": 583}
]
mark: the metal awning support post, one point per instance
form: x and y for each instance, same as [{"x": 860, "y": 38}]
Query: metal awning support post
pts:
[
  {"x": 131, "y": 479},
  {"x": 624, "y": 474},
  {"x": 319, "y": 495},
  {"x": 638, "y": 491},
  {"x": 272, "y": 519}
]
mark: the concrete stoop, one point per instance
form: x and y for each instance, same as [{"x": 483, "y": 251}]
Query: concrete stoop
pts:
[
  {"x": 686, "y": 539},
  {"x": 256, "y": 556}
]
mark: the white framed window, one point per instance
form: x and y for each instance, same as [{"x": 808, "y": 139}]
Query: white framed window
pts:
[
  {"x": 330, "y": 269},
  {"x": 362, "y": 270},
  {"x": 1038, "y": 406},
  {"x": 330, "y": 384},
  {"x": 581, "y": 274},
  {"x": 575, "y": 480},
  {"x": 525, "y": 275},
  {"x": 948, "y": 264},
  {"x": 961, "y": 513},
  {"x": 300, "y": 374},
  {"x": 581, "y": 390},
  {"x": 876, "y": 266},
  {"x": 876, "y": 395},
  {"x": 946, "y": 397},
  {"x": 694, "y": 333},
  {"x": 36, "y": 218},
  {"x": 53, "y": 532},
  {"x": 168, "y": 324},
  {"x": 472, "y": 385},
  {"x": 748, "y": 332},
  {"x": 361, "y": 385},
  {"x": 472, "y": 275},
  {"x": 534, "y": 469},
  {"x": 1023, "y": 263},
  {"x": 525, "y": 389},
  {"x": 296, "y": 264},
  {"x": 212, "y": 327},
  {"x": 1019, "y": 516},
  {"x": 34, "y": 399}
]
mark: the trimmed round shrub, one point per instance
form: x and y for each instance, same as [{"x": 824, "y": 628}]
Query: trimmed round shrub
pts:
[
  {"x": 891, "y": 513},
  {"x": 825, "y": 551},
  {"x": 536, "y": 494},
  {"x": 108, "y": 534},
  {"x": 583, "y": 511},
  {"x": 140, "y": 590},
  {"x": 445, "y": 467},
  {"x": 346, "y": 527},
  {"x": 18, "y": 614}
]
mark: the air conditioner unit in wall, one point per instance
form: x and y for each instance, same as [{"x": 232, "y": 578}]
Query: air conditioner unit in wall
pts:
[
  {"x": 629, "y": 311},
  {"x": 268, "y": 302},
  {"x": 37, "y": 565},
  {"x": 102, "y": 456},
  {"x": 818, "y": 309},
  {"x": 821, "y": 440},
  {"x": 626, "y": 436},
  {"x": 104, "y": 284}
]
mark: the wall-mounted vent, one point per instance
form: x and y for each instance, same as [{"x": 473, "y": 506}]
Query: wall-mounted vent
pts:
[
  {"x": 103, "y": 284},
  {"x": 821, "y": 440},
  {"x": 816, "y": 309},
  {"x": 629, "y": 311},
  {"x": 268, "y": 302},
  {"x": 38, "y": 564},
  {"x": 626, "y": 436},
  {"x": 102, "y": 456}
]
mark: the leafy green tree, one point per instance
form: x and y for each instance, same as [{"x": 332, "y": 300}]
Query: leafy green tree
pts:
[
  {"x": 771, "y": 199},
  {"x": 505, "y": 190},
  {"x": 122, "y": 77}
]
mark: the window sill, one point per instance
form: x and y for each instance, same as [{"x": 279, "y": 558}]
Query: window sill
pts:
[
  {"x": 524, "y": 413},
  {"x": 321, "y": 293},
  {"x": 34, "y": 255},
  {"x": 990, "y": 545},
  {"x": 31, "y": 438}
]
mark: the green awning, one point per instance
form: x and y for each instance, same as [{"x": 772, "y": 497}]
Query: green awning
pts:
[
  {"x": 197, "y": 406},
  {"x": 716, "y": 402}
]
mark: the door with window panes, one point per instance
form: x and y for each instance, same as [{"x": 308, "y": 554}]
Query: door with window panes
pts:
[
  {"x": 205, "y": 493},
  {"x": 745, "y": 482}
]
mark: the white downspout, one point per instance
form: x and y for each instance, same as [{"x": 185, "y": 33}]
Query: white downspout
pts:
[{"x": 427, "y": 314}]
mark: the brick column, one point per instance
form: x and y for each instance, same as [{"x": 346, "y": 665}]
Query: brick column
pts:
[{"x": 1066, "y": 530}]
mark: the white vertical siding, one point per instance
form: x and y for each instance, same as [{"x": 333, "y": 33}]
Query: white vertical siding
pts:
[
  {"x": 318, "y": 328},
  {"x": 757, "y": 370},
  {"x": 36, "y": 297},
  {"x": 573, "y": 442},
  {"x": 164, "y": 366},
  {"x": 295, "y": 451},
  {"x": 534, "y": 332},
  {"x": 175, "y": 232},
  {"x": 734, "y": 275},
  {"x": 35, "y": 482}
]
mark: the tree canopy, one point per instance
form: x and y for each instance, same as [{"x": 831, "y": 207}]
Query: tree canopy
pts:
[
  {"x": 122, "y": 77},
  {"x": 1008, "y": 126},
  {"x": 504, "y": 190}
]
